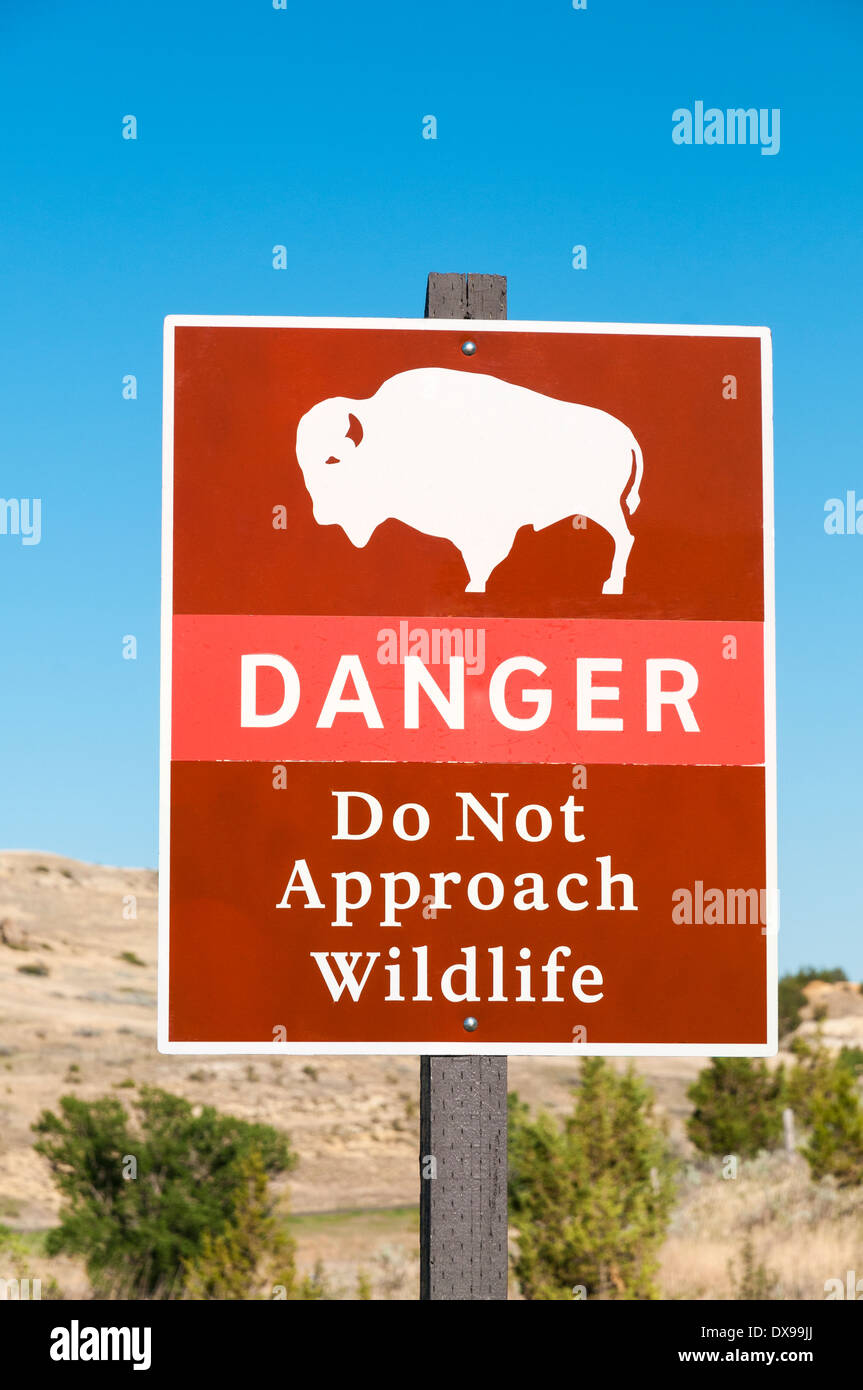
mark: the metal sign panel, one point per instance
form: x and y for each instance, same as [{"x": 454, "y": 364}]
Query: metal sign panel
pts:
[{"x": 467, "y": 696}]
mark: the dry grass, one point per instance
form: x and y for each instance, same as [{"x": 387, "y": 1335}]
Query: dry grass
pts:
[
  {"x": 802, "y": 1232},
  {"x": 381, "y": 1246}
]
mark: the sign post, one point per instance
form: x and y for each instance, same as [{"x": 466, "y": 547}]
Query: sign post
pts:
[
  {"x": 463, "y": 1107},
  {"x": 467, "y": 740}
]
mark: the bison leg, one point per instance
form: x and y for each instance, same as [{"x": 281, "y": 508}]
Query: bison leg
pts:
[
  {"x": 480, "y": 558},
  {"x": 615, "y": 525}
]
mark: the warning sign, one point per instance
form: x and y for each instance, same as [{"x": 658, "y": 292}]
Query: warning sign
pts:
[{"x": 467, "y": 711}]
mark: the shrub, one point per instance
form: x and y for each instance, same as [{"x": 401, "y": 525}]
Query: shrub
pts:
[
  {"x": 823, "y": 1092},
  {"x": 253, "y": 1257},
  {"x": 811, "y": 1073},
  {"x": 852, "y": 1059},
  {"x": 135, "y": 1233},
  {"x": 591, "y": 1200},
  {"x": 738, "y": 1107},
  {"x": 835, "y": 1116},
  {"x": 16, "y": 1263},
  {"x": 756, "y": 1280}
]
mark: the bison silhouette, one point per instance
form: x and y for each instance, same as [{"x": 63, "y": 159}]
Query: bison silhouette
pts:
[{"x": 472, "y": 458}]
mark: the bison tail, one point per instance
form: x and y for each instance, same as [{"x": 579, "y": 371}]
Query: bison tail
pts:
[{"x": 632, "y": 498}]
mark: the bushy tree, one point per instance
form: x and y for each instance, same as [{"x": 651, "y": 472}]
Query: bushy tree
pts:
[
  {"x": 835, "y": 1144},
  {"x": 811, "y": 1074},
  {"x": 253, "y": 1257},
  {"x": 139, "y": 1195},
  {"x": 738, "y": 1107},
  {"x": 591, "y": 1199},
  {"x": 824, "y": 1093}
]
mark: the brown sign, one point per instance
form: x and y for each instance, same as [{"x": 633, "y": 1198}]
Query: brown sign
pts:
[{"x": 467, "y": 688}]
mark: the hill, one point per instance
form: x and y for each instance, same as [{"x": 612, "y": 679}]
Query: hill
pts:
[{"x": 78, "y": 1012}]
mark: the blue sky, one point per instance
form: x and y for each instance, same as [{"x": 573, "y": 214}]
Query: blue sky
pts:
[{"x": 303, "y": 127}]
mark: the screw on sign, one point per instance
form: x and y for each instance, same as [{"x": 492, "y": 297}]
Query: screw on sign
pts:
[{"x": 373, "y": 586}]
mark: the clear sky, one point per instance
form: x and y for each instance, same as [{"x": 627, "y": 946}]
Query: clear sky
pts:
[{"x": 303, "y": 126}]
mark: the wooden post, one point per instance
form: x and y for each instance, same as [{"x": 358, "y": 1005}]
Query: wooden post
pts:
[{"x": 463, "y": 1206}]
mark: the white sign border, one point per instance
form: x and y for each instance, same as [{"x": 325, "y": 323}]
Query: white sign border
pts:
[{"x": 466, "y": 1046}]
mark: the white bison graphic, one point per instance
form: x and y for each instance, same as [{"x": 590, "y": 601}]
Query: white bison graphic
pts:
[{"x": 470, "y": 458}]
